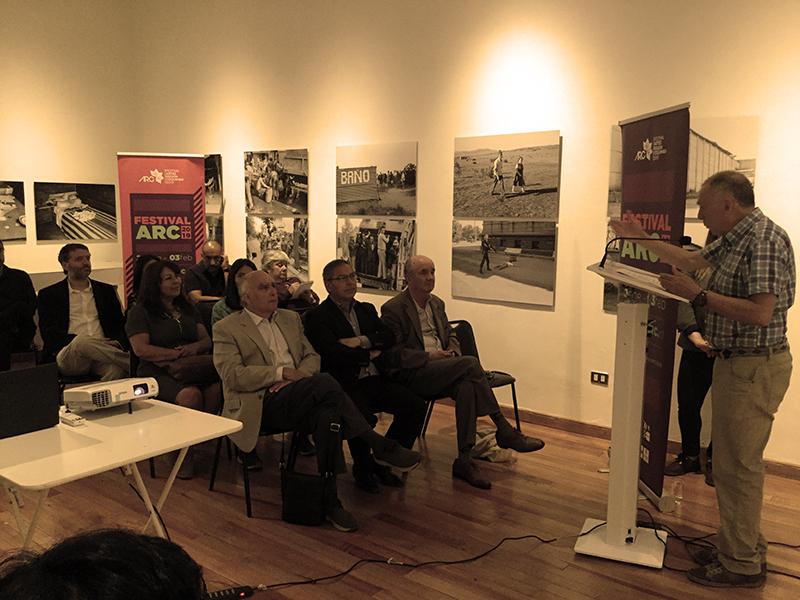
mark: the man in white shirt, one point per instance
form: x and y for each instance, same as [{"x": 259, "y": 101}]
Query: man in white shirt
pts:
[
  {"x": 81, "y": 321},
  {"x": 271, "y": 381}
]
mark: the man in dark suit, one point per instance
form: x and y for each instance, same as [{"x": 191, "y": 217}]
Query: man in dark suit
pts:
[
  {"x": 17, "y": 305},
  {"x": 81, "y": 321},
  {"x": 271, "y": 380},
  {"x": 350, "y": 339},
  {"x": 427, "y": 358}
]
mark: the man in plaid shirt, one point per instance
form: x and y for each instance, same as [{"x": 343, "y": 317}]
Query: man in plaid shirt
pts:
[{"x": 750, "y": 291}]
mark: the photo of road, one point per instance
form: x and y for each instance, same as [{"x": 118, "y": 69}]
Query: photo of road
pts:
[
  {"x": 514, "y": 175},
  {"x": 504, "y": 261}
]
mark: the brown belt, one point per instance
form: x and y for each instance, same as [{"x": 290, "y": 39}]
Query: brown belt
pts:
[{"x": 733, "y": 352}]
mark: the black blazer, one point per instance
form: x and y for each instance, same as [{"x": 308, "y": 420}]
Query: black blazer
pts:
[
  {"x": 54, "y": 315},
  {"x": 326, "y": 324}
]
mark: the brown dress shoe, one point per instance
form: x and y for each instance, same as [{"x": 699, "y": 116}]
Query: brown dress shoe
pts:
[
  {"x": 467, "y": 470},
  {"x": 513, "y": 439}
]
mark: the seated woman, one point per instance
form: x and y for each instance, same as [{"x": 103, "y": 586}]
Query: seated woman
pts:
[
  {"x": 276, "y": 264},
  {"x": 163, "y": 326},
  {"x": 231, "y": 302},
  {"x": 138, "y": 268}
]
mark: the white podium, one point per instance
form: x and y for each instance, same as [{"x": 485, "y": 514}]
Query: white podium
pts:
[{"x": 619, "y": 538}]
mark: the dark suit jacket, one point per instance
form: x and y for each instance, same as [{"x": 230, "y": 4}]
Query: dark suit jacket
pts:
[
  {"x": 17, "y": 305},
  {"x": 54, "y": 315},
  {"x": 326, "y": 324},
  {"x": 400, "y": 315}
]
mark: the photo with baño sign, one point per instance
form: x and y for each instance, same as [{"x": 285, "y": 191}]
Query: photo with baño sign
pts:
[
  {"x": 377, "y": 179},
  {"x": 505, "y": 261}
]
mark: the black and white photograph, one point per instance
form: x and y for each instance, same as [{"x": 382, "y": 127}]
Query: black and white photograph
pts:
[
  {"x": 215, "y": 200},
  {"x": 289, "y": 234},
  {"x": 276, "y": 182},
  {"x": 12, "y": 211},
  {"x": 509, "y": 261},
  {"x": 377, "y": 179},
  {"x": 515, "y": 176},
  {"x": 377, "y": 248},
  {"x": 75, "y": 211}
]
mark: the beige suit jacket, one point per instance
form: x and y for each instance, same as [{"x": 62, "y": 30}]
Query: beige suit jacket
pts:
[{"x": 247, "y": 367}]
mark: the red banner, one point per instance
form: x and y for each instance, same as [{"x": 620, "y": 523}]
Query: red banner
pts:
[
  {"x": 655, "y": 152},
  {"x": 162, "y": 208}
]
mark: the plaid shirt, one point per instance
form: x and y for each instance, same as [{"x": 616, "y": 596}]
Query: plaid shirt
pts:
[{"x": 755, "y": 257}]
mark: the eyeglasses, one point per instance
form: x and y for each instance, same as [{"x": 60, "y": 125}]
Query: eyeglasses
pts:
[{"x": 351, "y": 276}]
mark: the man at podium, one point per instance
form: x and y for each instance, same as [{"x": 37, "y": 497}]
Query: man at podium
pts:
[{"x": 749, "y": 293}]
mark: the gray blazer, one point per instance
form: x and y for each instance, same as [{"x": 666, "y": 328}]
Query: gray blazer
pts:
[
  {"x": 247, "y": 368},
  {"x": 400, "y": 315}
]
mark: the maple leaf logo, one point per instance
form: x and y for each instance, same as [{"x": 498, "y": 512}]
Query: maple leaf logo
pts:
[
  {"x": 158, "y": 175},
  {"x": 647, "y": 145}
]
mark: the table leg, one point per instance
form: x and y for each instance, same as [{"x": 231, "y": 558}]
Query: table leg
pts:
[
  {"x": 147, "y": 502},
  {"x": 167, "y": 488},
  {"x": 26, "y": 536}
]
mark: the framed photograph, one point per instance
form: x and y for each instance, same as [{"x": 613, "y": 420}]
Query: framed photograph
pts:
[
  {"x": 289, "y": 234},
  {"x": 75, "y": 211},
  {"x": 507, "y": 176},
  {"x": 505, "y": 261},
  {"x": 12, "y": 211},
  {"x": 215, "y": 199},
  {"x": 276, "y": 182},
  {"x": 377, "y": 248},
  {"x": 377, "y": 179}
]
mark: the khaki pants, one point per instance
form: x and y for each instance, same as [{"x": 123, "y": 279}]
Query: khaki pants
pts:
[
  {"x": 746, "y": 393},
  {"x": 86, "y": 354}
]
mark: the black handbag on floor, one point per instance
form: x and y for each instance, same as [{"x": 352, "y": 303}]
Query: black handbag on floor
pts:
[{"x": 304, "y": 495}]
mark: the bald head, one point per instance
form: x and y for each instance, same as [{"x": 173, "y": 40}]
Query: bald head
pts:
[
  {"x": 420, "y": 275},
  {"x": 212, "y": 256},
  {"x": 257, "y": 293}
]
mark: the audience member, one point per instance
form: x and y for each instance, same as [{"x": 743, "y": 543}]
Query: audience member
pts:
[
  {"x": 205, "y": 281},
  {"x": 81, "y": 321},
  {"x": 276, "y": 264},
  {"x": 231, "y": 303},
  {"x": 426, "y": 358},
  {"x": 17, "y": 305},
  {"x": 109, "y": 564},
  {"x": 163, "y": 327},
  {"x": 271, "y": 380},
  {"x": 350, "y": 339}
]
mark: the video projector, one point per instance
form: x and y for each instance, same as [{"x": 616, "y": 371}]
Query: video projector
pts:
[{"x": 105, "y": 394}]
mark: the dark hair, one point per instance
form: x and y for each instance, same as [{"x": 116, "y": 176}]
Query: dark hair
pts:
[
  {"x": 112, "y": 564},
  {"x": 736, "y": 184},
  {"x": 138, "y": 269},
  {"x": 232, "y": 298},
  {"x": 327, "y": 271},
  {"x": 67, "y": 249},
  {"x": 150, "y": 289}
]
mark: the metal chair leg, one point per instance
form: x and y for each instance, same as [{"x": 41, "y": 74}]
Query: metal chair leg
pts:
[
  {"x": 427, "y": 418},
  {"x": 516, "y": 408},
  {"x": 246, "y": 476},
  {"x": 214, "y": 466}
]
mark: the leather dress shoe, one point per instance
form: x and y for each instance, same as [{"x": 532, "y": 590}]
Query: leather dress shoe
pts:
[
  {"x": 516, "y": 441},
  {"x": 682, "y": 465},
  {"x": 385, "y": 477},
  {"x": 465, "y": 469},
  {"x": 394, "y": 455},
  {"x": 342, "y": 520}
]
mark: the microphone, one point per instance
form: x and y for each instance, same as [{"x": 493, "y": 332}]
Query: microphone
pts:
[{"x": 683, "y": 241}]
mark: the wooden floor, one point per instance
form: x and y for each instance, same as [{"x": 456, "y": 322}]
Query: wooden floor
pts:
[{"x": 548, "y": 493}]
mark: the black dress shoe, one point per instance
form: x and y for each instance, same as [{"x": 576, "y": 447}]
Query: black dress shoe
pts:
[
  {"x": 513, "y": 439},
  {"x": 385, "y": 477},
  {"x": 366, "y": 480},
  {"x": 682, "y": 465},
  {"x": 467, "y": 470}
]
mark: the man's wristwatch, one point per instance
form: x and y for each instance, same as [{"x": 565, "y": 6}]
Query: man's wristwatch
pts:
[{"x": 700, "y": 300}]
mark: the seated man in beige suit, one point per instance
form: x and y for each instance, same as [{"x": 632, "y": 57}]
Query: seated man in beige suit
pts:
[
  {"x": 427, "y": 359},
  {"x": 271, "y": 380}
]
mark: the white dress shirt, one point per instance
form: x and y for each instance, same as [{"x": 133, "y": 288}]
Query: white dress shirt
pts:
[
  {"x": 273, "y": 338},
  {"x": 83, "y": 317}
]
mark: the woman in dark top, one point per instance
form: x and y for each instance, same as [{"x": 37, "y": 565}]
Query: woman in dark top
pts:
[
  {"x": 231, "y": 303},
  {"x": 163, "y": 326}
]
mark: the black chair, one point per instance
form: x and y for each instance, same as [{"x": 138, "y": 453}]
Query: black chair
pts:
[
  {"x": 496, "y": 379},
  {"x": 293, "y": 446}
]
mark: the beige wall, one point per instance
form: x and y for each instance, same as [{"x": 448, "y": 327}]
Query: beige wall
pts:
[{"x": 234, "y": 76}]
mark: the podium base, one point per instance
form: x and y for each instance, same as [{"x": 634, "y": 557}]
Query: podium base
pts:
[{"x": 647, "y": 550}]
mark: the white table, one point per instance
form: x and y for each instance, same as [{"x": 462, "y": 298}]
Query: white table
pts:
[{"x": 111, "y": 438}]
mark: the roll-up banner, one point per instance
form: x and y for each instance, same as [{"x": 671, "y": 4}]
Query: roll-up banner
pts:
[
  {"x": 162, "y": 208},
  {"x": 655, "y": 150}
]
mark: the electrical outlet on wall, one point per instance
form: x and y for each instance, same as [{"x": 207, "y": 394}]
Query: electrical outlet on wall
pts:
[{"x": 599, "y": 378}]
